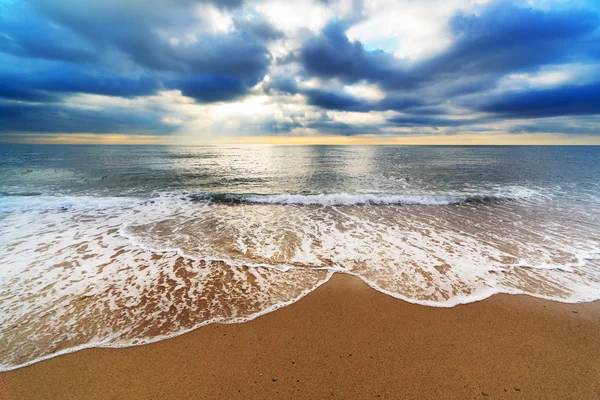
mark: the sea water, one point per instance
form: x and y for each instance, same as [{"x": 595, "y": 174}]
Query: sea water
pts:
[{"x": 124, "y": 245}]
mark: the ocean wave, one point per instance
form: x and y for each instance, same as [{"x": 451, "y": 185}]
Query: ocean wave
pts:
[
  {"x": 343, "y": 199},
  {"x": 34, "y": 202}
]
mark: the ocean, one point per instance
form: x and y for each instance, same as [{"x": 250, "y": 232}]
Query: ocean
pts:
[{"x": 110, "y": 246}]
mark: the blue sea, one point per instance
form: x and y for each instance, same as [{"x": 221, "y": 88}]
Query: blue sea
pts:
[{"x": 124, "y": 245}]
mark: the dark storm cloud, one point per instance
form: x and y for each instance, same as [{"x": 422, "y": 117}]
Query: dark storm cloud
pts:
[
  {"x": 507, "y": 39},
  {"x": 26, "y": 34},
  {"x": 560, "y": 101},
  {"x": 341, "y": 101},
  {"x": 335, "y": 101},
  {"x": 10, "y": 90},
  {"x": 47, "y": 85},
  {"x": 54, "y": 118},
  {"x": 412, "y": 121},
  {"x": 236, "y": 60},
  {"x": 467, "y": 85},
  {"x": 135, "y": 30},
  {"x": 221, "y": 68},
  {"x": 399, "y": 103},
  {"x": 332, "y": 55},
  {"x": 282, "y": 84},
  {"x": 428, "y": 110},
  {"x": 209, "y": 88}
]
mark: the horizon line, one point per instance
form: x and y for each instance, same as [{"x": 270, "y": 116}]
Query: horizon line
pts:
[{"x": 466, "y": 139}]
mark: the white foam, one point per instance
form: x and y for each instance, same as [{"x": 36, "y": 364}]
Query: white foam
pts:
[
  {"x": 564, "y": 268},
  {"x": 433, "y": 256},
  {"x": 10, "y": 204},
  {"x": 180, "y": 252},
  {"x": 353, "y": 199},
  {"x": 106, "y": 344},
  {"x": 330, "y": 199}
]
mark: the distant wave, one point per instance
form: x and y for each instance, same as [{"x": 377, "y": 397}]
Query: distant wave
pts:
[
  {"x": 351, "y": 199},
  {"x": 32, "y": 201}
]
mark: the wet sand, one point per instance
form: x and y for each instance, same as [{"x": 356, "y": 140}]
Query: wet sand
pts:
[{"x": 346, "y": 340}]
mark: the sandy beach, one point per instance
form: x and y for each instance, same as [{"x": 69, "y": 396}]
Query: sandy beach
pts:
[{"x": 346, "y": 340}]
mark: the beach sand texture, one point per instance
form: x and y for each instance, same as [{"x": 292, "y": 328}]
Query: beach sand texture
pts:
[{"x": 347, "y": 341}]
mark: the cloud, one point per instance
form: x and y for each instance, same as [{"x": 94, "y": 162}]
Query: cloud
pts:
[
  {"x": 163, "y": 36},
  {"x": 55, "y": 49},
  {"x": 222, "y": 67},
  {"x": 502, "y": 39},
  {"x": 582, "y": 126},
  {"x": 505, "y": 38},
  {"x": 267, "y": 67},
  {"x": 339, "y": 99},
  {"x": 10, "y": 90},
  {"x": 24, "y": 34},
  {"x": 339, "y": 128},
  {"x": 53, "y": 118},
  {"x": 209, "y": 88},
  {"x": 257, "y": 26},
  {"x": 560, "y": 101},
  {"x": 419, "y": 121},
  {"x": 332, "y": 55},
  {"x": 46, "y": 85},
  {"x": 334, "y": 100}
]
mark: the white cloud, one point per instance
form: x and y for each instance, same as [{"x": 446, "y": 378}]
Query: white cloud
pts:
[
  {"x": 172, "y": 120},
  {"x": 213, "y": 19},
  {"x": 365, "y": 91},
  {"x": 419, "y": 28},
  {"x": 291, "y": 16},
  {"x": 576, "y": 74}
]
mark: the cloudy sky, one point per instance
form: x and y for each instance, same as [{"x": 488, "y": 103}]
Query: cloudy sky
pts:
[{"x": 328, "y": 71}]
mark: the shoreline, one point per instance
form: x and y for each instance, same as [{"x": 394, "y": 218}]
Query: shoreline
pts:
[
  {"x": 346, "y": 340},
  {"x": 243, "y": 320}
]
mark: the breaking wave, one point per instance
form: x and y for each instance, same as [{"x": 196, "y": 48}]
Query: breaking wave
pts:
[{"x": 335, "y": 199}]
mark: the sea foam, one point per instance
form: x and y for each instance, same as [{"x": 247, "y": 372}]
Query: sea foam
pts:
[{"x": 124, "y": 271}]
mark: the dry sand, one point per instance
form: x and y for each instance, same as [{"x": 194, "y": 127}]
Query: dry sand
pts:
[{"x": 345, "y": 340}]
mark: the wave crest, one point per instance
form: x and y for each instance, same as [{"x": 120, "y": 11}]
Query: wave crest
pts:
[{"x": 343, "y": 199}]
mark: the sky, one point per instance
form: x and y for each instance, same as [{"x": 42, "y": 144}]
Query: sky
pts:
[{"x": 303, "y": 72}]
